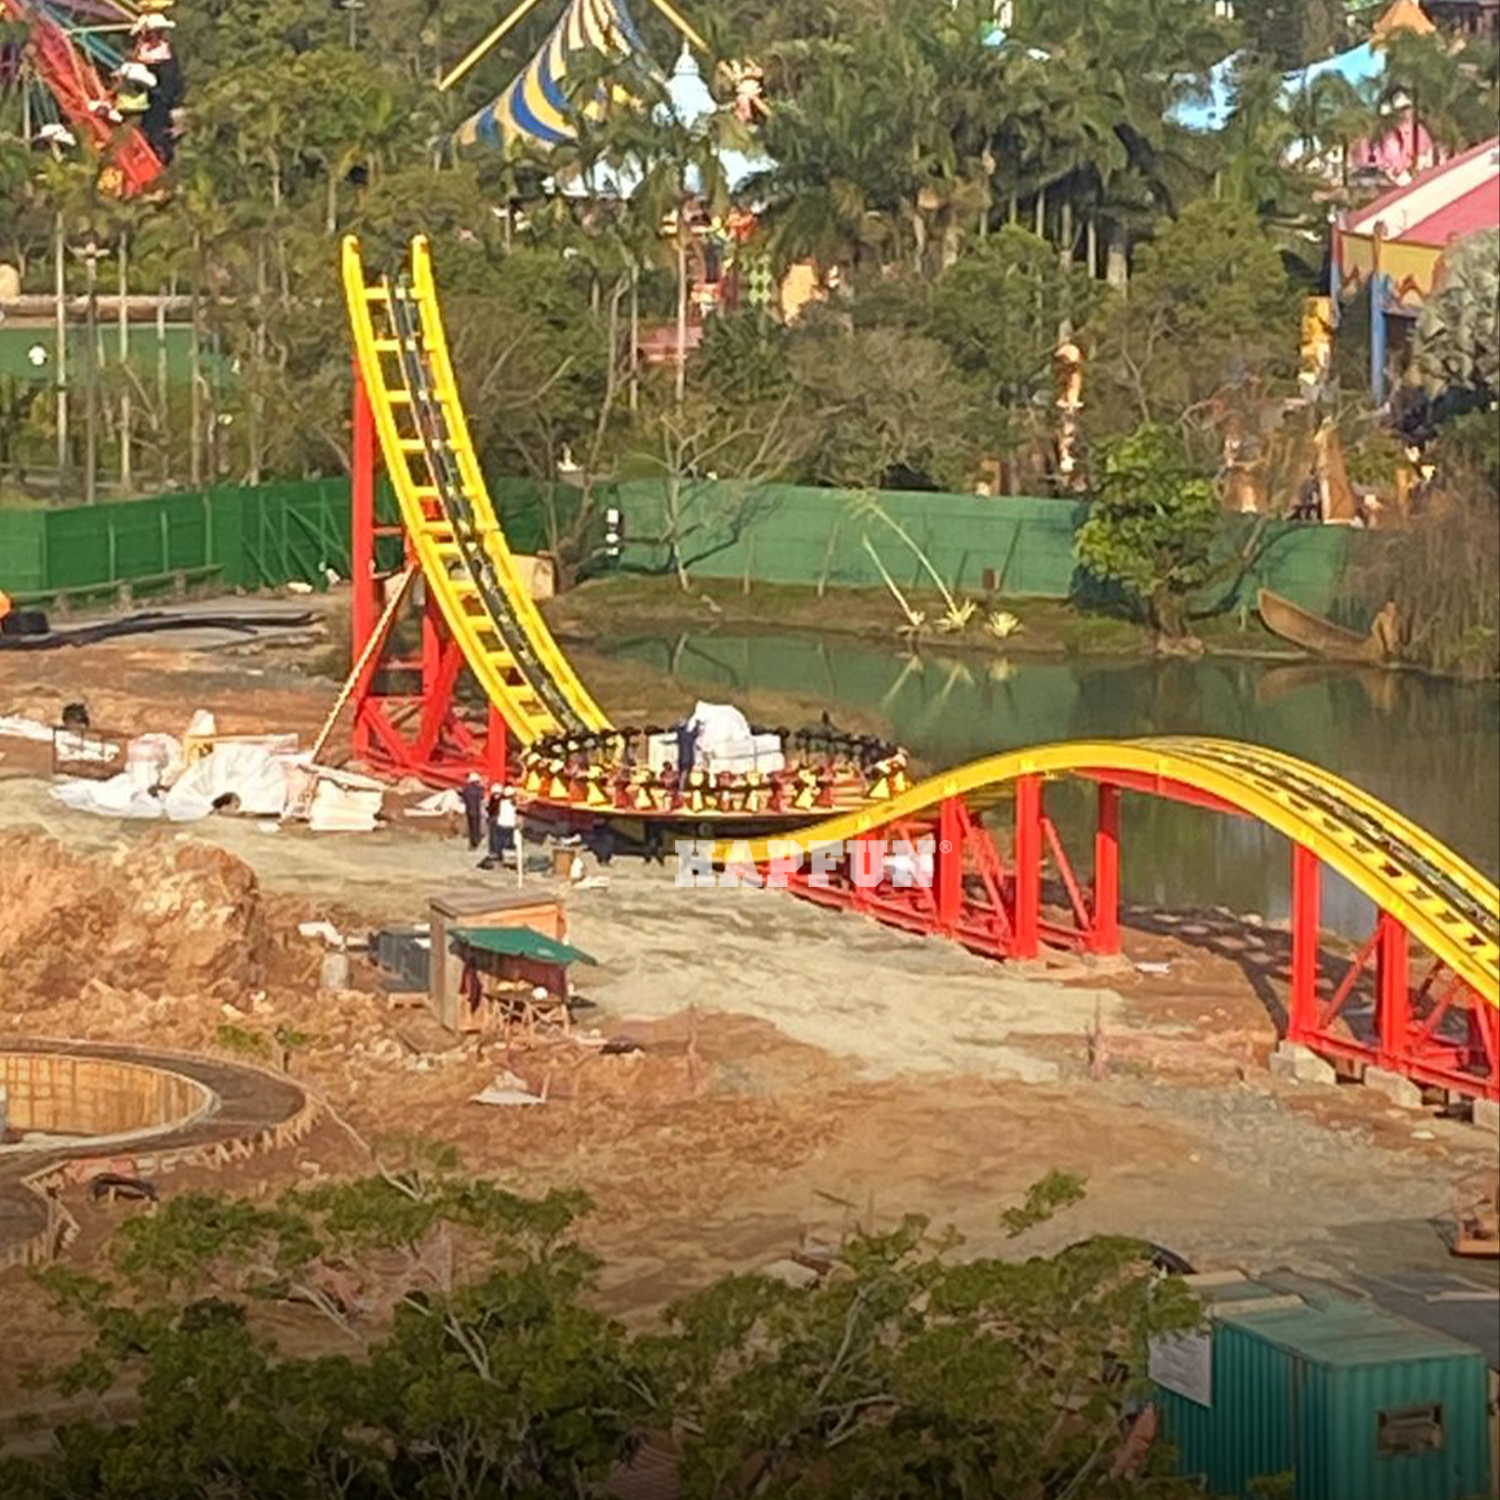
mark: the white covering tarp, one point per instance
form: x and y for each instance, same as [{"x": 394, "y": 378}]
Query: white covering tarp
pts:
[
  {"x": 253, "y": 773},
  {"x": 722, "y": 730},
  {"x": 120, "y": 797},
  {"x": 154, "y": 760},
  {"x": 18, "y": 726}
]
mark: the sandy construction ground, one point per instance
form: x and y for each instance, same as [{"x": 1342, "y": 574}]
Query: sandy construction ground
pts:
[{"x": 801, "y": 1071}]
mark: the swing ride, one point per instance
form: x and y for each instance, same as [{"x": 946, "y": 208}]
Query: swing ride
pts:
[{"x": 100, "y": 73}]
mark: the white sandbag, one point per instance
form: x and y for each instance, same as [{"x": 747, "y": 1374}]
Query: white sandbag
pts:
[
  {"x": 769, "y": 756},
  {"x": 119, "y": 797},
  {"x": 736, "y": 759},
  {"x": 661, "y": 752},
  {"x": 81, "y": 745},
  {"x": 253, "y": 774}
]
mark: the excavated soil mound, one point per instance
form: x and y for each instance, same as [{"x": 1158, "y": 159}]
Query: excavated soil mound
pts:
[{"x": 161, "y": 917}]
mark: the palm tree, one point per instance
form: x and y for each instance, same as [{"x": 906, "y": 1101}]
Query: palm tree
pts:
[{"x": 1426, "y": 75}]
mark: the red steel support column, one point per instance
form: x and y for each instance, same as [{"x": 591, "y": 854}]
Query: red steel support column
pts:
[
  {"x": 1307, "y": 912},
  {"x": 948, "y": 872},
  {"x": 1028, "y": 860},
  {"x": 1105, "y": 937},
  {"x": 1393, "y": 1006},
  {"x": 496, "y": 747},
  {"x": 364, "y": 608},
  {"x": 434, "y": 635}
]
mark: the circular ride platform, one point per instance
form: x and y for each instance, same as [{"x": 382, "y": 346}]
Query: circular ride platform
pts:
[{"x": 620, "y": 777}]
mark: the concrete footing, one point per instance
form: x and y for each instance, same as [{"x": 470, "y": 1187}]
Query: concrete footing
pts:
[
  {"x": 1487, "y": 1115},
  {"x": 1300, "y": 1064},
  {"x": 1399, "y": 1090}
]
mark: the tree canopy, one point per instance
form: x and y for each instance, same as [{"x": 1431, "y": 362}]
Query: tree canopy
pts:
[
  {"x": 962, "y": 197},
  {"x": 423, "y": 1333}
]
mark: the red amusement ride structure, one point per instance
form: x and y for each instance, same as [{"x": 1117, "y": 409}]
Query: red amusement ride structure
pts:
[{"x": 1421, "y": 998}]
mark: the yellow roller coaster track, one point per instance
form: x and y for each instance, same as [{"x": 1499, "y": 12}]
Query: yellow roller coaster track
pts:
[
  {"x": 402, "y": 351},
  {"x": 1445, "y": 904},
  {"x": 403, "y": 356}
]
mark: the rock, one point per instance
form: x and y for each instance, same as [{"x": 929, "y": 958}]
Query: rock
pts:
[
  {"x": 333, "y": 973},
  {"x": 1300, "y": 1064},
  {"x": 1400, "y": 1090}
]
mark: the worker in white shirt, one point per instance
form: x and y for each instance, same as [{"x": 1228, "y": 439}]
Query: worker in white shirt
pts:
[{"x": 505, "y": 828}]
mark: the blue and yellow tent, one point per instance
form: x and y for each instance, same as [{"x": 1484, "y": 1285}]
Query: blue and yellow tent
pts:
[{"x": 535, "y": 106}]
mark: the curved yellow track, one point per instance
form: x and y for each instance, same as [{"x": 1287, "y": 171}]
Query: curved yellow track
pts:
[
  {"x": 398, "y": 329},
  {"x": 517, "y": 662},
  {"x": 1444, "y": 902}
]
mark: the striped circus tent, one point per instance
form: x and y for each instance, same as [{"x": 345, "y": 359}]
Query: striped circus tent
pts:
[{"x": 535, "y": 106}]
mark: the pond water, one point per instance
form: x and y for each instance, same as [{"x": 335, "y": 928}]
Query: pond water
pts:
[{"x": 1426, "y": 746}]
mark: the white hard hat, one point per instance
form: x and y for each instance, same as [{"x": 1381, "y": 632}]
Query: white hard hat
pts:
[
  {"x": 539, "y": 992},
  {"x": 137, "y": 73},
  {"x": 152, "y": 21}
]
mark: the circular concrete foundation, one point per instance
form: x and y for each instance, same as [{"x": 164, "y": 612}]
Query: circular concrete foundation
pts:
[
  {"x": 77, "y": 1109},
  {"x": 56, "y": 1097}
]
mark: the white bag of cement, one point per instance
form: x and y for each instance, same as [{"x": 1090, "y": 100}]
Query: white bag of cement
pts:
[
  {"x": 736, "y": 759},
  {"x": 250, "y": 773},
  {"x": 507, "y": 1089},
  {"x": 119, "y": 797},
  {"x": 661, "y": 752},
  {"x": 84, "y": 746},
  {"x": 339, "y": 809}
]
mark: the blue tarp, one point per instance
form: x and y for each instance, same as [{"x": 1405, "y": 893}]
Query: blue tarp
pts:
[{"x": 1358, "y": 66}]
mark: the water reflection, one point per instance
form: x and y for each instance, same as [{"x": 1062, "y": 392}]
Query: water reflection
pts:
[{"x": 1425, "y": 746}]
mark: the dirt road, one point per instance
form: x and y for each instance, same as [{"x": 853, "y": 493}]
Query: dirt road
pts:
[{"x": 802, "y": 1071}]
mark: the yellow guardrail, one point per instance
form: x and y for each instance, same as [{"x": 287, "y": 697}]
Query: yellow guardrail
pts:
[{"x": 1403, "y": 873}]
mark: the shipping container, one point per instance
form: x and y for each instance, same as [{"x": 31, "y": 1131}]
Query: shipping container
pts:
[{"x": 1353, "y": 1402}]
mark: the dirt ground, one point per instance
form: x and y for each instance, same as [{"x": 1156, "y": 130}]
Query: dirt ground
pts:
[{"x": 800, "y": 1072}]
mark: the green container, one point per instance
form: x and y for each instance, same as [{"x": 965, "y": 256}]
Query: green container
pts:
[{"x": 1354, "y": 1402}]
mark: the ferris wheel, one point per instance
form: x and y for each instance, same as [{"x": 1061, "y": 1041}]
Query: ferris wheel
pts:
[{"x": 95, "y": 75}]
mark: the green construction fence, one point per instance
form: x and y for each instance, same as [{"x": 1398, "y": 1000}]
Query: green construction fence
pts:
[
  {"x": 230, "y": 538},
  {"x": 1012, "y": 546},
  {"x": 244, "y": 538}
]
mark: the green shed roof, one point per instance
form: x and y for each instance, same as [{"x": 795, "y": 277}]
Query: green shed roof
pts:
[
  {"x": 520, "y": 942},
  {"x": 1345, "y": 1332}
]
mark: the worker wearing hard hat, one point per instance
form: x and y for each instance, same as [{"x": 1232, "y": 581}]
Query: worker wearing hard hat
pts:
[{"x": 133, "y": 90}]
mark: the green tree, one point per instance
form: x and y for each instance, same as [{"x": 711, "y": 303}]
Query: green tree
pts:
[
  {"x": 1152, "y": 527},
  {"x": 1448, "y": 87},
  {"x": 891, "y": 408},
  {"x": 910, "y": 1372},
  {"x": 1293, "y": 33},
  {"x": 998, "y": 310},
  {"x": 1458, "y": 331},
  {"x": 472, "y": 1361},
  {"x": 1210, "y": 308}
]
